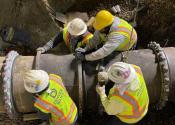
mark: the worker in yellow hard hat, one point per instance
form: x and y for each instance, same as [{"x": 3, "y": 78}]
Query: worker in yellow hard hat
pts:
[
  {"x": 128, "y": 98},
  {"x": 114, "y": 33},
  {"x": 75, "y": 35},
  {"x": 52, "y": 100}
]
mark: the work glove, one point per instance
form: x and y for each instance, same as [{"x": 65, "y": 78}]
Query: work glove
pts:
[
  {"x": 102, "y": 77},
  {"x": 79, "y": 54},
  {"x": 100, "y": 90},
  {"x": 79, "y": 49},
  {"x": 42, "y": 49}
]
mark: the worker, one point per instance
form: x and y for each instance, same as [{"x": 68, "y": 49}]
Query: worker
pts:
[
  {"x": 75, "y": 34},
  {"x": 128, "y": 98},
  {"x": 51, "y": 98},
  {"x": 114, "y": 33}
]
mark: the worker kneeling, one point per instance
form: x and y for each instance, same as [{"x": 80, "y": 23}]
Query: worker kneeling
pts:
[
  {"x": 75, "y": 35},
  {"x": 128, "y": 98},
  {"x": 51, "y": 98},
  {"x": 113, "y": 32}
]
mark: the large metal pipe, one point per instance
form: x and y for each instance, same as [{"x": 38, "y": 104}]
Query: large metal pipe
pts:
[{"x": 66, "y": 67}]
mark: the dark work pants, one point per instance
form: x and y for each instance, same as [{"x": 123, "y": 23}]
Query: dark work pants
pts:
[{"x": 113, "y": 120}]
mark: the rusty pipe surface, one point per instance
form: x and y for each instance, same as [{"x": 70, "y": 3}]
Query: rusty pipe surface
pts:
[{"x": 65, "y": 66}]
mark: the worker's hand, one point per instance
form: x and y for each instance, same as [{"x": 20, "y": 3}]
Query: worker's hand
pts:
[
  {"x": 102, "y": 77},
  {"x": 79, "y": 56},
  {"x": 81, "y": 50},
  {"x": 42, "y": 49},
  {"x": 100, "y": 89}
]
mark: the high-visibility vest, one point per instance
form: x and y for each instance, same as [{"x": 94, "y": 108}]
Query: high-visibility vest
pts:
[
  {"x": 57, "y": 103},
  {"x": 123, "y": 28},
  {"x": 66, "y": 37},
  {"x": 135, "y": 102}
]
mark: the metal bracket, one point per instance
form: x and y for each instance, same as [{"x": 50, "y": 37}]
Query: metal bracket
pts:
[
  {"x": 37, "y": 60},
  {"x": 164, "y": 71}
]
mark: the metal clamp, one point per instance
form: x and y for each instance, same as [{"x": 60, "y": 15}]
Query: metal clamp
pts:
[{"x": 164, "y": 71}]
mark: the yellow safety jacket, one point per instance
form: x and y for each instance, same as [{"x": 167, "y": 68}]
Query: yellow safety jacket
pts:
[
  {"x": 57, "y": 103},
  {"x": 66, "y": 37},
  {"x": 135, "y": 102},
  {"x": 123, "y": 28}
]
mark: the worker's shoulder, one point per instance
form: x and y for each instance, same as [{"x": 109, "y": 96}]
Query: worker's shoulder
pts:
[
  {"x": 51, "y": 76},
  {"x": 137, "y": 69}
]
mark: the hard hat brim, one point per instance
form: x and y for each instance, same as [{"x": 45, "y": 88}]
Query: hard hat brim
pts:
[
  {"x": 41, "y": 88},
  {"x": 33, "y": 91},
  {"x": 97, "y": 25},
  {"x": 128, "y": 80}
]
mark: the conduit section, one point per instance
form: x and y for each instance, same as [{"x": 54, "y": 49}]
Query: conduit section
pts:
[{"x": 17, "y": 100}]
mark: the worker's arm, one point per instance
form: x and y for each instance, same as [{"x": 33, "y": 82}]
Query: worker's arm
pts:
[
  {"x": 93, "y": 42},
  {"x": 52, "y": 43},
  {"x": 113, "y": 41},
  {"x": 42, "y": 115},
  {"x": 111, "y": 106}
]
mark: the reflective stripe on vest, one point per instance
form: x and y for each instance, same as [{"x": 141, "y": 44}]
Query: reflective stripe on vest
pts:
[
  {"x": 51, "y": 109},
  {"x": 48, "y": 104},
  {"x": 135, "y": 109},
  {"x": 125, "y": 29},
  {"x": 66, "y": 36},
  {"x": 86, "y": 37}
]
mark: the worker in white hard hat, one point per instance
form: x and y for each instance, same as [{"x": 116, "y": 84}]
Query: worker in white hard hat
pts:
[
  {"x": 128, "y": 98},
  {"x": 51, "y": 97},
  {"x": 114, "y": 33},
  {"x": 75, "y": 35}
]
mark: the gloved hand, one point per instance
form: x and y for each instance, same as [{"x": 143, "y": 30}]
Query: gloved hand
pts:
[
  {"x": 79, "y": 49},
  {"x": 100, "y": 90},
  {"x": 102, "y": 76},
  {"x": 79, "y": 53},
  {"x": 79, "y": 56},
  {"x": 42, "y": 49}
]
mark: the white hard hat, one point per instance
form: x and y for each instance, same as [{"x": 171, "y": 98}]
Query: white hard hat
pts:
[
  {"x": 77, "y": 27},
  {"x": 120, "y": 72},
  {"x": 36, "y": 81}
]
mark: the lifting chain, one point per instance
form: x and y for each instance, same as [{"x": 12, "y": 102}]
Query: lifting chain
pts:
[
  {"x": 164, "y": 73},
  {"x": 7, "y": 85}
]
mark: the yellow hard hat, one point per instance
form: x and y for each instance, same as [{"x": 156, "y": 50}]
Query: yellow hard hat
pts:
[{"x": 103, "y": 19}]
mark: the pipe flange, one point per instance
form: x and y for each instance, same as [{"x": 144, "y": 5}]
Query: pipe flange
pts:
[
  {"x": 164, "y": 73},
  {"x": 7, "y": 85}
]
